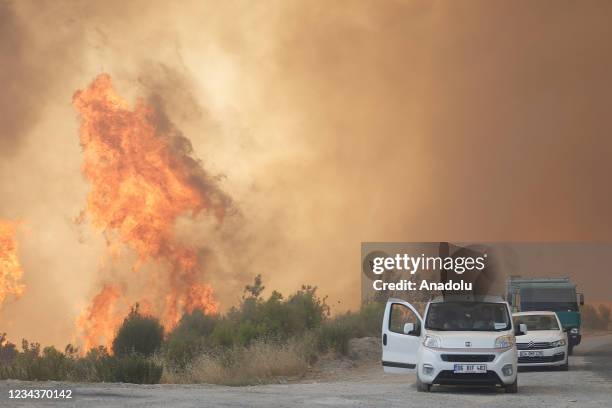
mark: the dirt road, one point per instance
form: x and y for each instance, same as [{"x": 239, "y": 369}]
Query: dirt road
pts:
[{"x": 587, "y": 384}]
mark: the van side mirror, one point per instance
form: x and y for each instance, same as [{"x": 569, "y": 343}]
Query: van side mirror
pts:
[
  {"x": 581, "y": 297},
  {"x": 521, "y": 330},
  {"x": 408, "y": 328}
]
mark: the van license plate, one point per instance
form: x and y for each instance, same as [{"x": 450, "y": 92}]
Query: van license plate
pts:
[
  {"x": 531, "y": 354},
  {"x": 470, "y": 368}
]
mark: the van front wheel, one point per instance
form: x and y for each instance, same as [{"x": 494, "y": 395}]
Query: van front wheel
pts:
[
  {"x": 512, "y": 388},
  {"x": 421, "y": 386}
]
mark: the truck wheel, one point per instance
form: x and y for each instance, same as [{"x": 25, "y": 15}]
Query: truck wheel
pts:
[
  {"x": 421, "y": 386},
  {"x": 570, "y": 349},
  {"x": 512, "y": 388}
]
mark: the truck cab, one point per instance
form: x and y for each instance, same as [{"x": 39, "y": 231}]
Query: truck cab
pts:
[{"x": 459, "y": 340}]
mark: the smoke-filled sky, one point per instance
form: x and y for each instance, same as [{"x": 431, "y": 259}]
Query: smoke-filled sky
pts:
[{"x": 326, "y": 124}]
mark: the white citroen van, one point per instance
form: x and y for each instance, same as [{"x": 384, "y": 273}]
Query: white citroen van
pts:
[{"x": 461, "y": 340}]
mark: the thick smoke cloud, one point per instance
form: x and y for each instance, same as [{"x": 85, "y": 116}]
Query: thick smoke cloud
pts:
[
  {"x": 331, "y": 123},
  {"x": 19, "y": 75}
]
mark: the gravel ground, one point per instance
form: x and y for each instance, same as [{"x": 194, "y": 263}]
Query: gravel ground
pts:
[{"x": 587, "y": 384}]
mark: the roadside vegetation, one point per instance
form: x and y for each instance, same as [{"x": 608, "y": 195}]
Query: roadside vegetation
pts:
[{"x": 259, "y": 340}]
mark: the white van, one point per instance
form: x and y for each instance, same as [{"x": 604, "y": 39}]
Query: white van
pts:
[{"x": 462, "y": 340}]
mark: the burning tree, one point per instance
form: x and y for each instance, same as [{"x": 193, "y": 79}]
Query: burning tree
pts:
[{"x": 143, "y": 178}]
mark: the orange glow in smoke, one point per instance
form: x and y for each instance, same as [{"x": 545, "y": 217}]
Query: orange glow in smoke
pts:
[
  {"x": 11, "y": 272},
  {"x": 143, "y": 179}
]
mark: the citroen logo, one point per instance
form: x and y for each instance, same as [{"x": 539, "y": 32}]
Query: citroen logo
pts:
[
  {"x": 468, "y": 344},
  {"x": 530, "y": 344}
]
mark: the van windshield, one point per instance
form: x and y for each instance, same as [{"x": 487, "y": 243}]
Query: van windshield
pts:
[{"x": 468, "y": 316}]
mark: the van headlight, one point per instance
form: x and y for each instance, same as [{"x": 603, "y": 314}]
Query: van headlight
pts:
[
  {"x": 558, "y": 343},
  {"x": 574, "y": 330},
  {"x": 503, "y": 342},
  {"x": 431, "y": 341}
]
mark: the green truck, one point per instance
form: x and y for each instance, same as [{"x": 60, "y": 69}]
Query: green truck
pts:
[{"x": 552, "y": 294}]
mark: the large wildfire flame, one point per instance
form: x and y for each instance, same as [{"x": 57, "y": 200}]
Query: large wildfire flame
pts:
[
  {"x": 11, "y": 272},
  {"x": 143, "y": 179}
]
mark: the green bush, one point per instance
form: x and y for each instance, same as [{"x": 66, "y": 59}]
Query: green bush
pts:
[
  {"x": 274, "y": 318},
  {"x": 305, "y": 310},
  {"x": 138, "y": 334},
  {"x": 335, "y": 334},
  {"x": 53, "y": 365},
  {"x": 8, "y": 351},
  {"x": 190, "y": 337},
  {"x": 31, "y": 364},
  {"x": 135, "y": 368},
  {"x": 96, "y": 366},
  {"x": 224, "y": 334}
]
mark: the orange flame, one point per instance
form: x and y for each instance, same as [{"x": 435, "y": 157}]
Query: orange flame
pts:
[
  {"x": 100, "y": 320},
  {"x": 11, "y": 272},
  {"x": 143, "y": 179}
]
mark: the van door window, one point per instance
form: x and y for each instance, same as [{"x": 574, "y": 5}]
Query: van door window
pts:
[{"x": 400, "y": 315}]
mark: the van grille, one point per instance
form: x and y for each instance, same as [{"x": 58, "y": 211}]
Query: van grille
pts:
[{"x": 468, "y": 358}]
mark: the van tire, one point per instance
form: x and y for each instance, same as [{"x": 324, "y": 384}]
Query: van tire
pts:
[
  {"x": 421, "y": 386},
  {"x": 570, "y": 349},
  {"x": 512, "y": 388}
]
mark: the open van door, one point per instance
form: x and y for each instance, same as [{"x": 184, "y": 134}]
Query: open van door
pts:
[{"x": 401, "y": 337}]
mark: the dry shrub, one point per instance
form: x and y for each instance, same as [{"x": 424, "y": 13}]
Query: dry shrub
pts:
[{"x": 261, "y": 362}]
